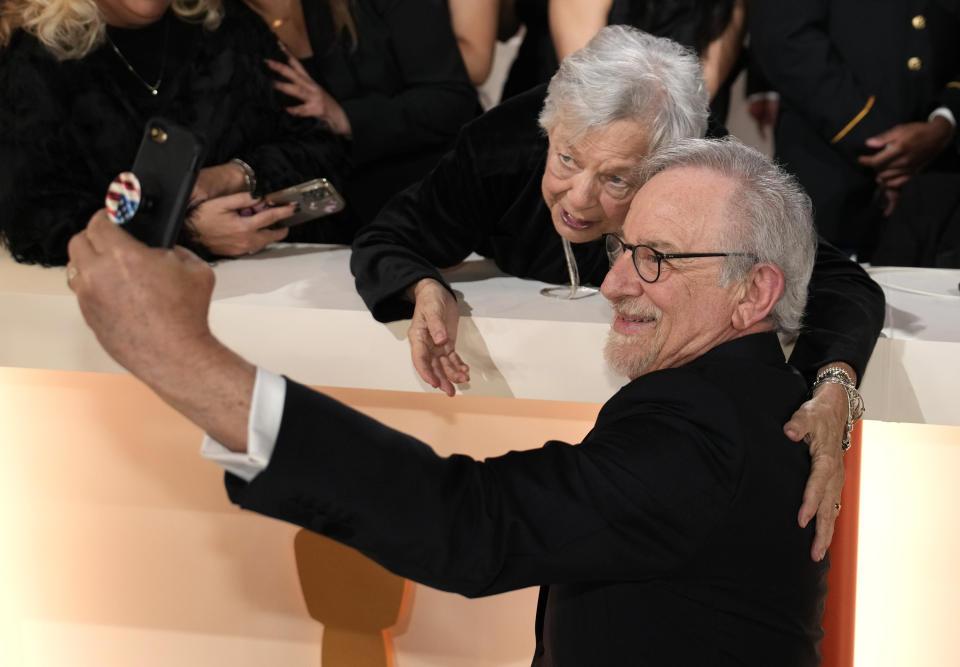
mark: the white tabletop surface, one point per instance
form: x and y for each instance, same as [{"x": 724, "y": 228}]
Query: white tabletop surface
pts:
[{"x": 293, "y": 309}]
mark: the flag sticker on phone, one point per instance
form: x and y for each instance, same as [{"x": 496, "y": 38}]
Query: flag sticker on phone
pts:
[{"x": 123, "y": 197}]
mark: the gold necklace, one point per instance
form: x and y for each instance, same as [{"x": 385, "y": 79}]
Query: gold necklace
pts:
[{"x": 155, "y": 88}]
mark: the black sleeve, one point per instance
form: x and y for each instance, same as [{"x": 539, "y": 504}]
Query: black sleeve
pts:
[
  {"x": 603, "y": 509},
  {"x": 435, "y": 223},
  {"x": 435, "y": 98},
  {"x": 791, "y": 43},
  {"x": 845, "y": 312},
  {"x": 48, "y": 190}
]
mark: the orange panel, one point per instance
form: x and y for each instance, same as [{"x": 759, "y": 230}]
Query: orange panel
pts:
[{"x": 840, "y": 613}]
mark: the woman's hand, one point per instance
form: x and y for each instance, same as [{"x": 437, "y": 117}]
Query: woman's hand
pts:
[
  {"x": 224, "y": 227},
  {"x": 317, "y": 102},
  {"x": 217, "y": 181},
  {"x": 433, "y": 337},
  {"x": 820, "y": 423}
]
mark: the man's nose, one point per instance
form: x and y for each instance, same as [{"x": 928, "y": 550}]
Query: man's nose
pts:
[{"x": 622, "y": 279}]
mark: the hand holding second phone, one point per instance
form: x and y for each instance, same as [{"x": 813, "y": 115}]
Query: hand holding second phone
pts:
[
  {"x": 222, "y": 227},
  {"x": 217, "y": 181}
]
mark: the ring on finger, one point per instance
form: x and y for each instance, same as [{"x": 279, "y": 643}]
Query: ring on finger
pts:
[{"x": 837, "y": 507}]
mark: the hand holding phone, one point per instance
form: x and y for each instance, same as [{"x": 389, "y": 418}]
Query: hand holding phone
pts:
[
  {"x": 313, "y": 199},
  {"x": 166, "y": 167}
]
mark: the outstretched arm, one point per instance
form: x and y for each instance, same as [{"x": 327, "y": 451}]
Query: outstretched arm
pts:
[{"x": 148, "y": 308}]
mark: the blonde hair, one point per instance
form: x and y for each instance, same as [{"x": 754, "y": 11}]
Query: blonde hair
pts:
[{"x": 71, "y": 29}]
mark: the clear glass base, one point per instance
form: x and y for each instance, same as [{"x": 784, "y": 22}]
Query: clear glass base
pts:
[{"x": 569, "y": 291}]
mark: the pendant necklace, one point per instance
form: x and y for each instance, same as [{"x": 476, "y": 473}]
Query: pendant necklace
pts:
[{"x": 155, "y": 88}]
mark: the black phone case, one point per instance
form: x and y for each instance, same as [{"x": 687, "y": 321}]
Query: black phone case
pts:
[{"x": 166, "y": 166}]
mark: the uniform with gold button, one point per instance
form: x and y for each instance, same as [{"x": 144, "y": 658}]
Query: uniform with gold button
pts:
[{"x": 847, "y": 71}]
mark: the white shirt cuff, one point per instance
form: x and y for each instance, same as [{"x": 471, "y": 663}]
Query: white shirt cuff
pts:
[
  {"x": 943, "y": 112},
  {"x": 263, "y": 426}
]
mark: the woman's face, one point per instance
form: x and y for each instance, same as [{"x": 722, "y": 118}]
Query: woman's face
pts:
[
  {"x": 587, "y": 182},
  {"x": 133, "y": 13}
]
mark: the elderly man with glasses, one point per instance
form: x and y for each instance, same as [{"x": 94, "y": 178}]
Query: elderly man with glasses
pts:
[
  {"x": 668, "y": 536},
  {"x": 553, "y": 166}
]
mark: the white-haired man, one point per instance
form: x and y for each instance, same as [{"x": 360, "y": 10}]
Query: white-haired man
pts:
[
  {"x": 555, "y": 164},
  {"x": 668, "y": 536}
]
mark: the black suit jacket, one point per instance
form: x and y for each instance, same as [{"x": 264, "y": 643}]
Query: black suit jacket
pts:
[
  {"x": 668, "y": 536},
  {"x": 485, "y": 197}
]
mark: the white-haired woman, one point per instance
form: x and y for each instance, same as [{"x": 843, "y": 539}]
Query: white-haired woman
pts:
[
  {"x": 559, "y": 162},
  {"x": 80, "y": 78}
]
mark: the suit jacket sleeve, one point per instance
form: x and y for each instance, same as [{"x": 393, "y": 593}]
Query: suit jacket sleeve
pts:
[
  {"x": 844, "y": 315},
  {"x": 604, "y": 509},
  {"x": 436, "y": 97},
  {"x": 791, "y": 43}
]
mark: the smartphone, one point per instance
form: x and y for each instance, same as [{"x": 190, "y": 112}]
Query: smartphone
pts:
[
  {"x": 313, "y": 199},
  {"x": 166, "y": 166}
]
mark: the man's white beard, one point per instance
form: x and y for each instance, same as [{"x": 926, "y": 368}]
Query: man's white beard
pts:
[
  {"x": 632, "y": 355},
  {"x": 624, "y": 358}
]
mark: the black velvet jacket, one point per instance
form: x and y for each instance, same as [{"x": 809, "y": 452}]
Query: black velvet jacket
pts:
[
  {"x": 667, "y": 537},
  {"x": 485, "y": 197},
  {"x": 68, "y": 128}
]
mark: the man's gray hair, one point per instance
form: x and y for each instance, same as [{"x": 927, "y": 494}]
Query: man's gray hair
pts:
[
  {"x": 626, "y": 74},
  {"x": 771, "y": 216}
]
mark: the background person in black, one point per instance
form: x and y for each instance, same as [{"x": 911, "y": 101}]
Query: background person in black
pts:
[
  {"x": 385, "y": 74},
  {"x": 556, "y": 28},
  {"x": 74, "y": 109},
  {"x": 666, "y": 537},
  {"x": 869, "y": 96},
  {"x": 509, "y": 193}
]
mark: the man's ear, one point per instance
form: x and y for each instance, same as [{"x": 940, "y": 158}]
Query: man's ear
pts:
[{"x": 759, "y": 292}]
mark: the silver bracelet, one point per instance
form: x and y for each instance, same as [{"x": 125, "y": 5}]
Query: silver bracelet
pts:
[
  {"x": 836, "y": 375},
  {"x": 249, "y": 175}
]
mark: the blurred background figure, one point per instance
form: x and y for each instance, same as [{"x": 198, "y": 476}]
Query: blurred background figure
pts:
[
  {"x": 870, "y": 95},
  {"x": 387, "y": 75},
  {"x": 80, "y": 78},
  {"x": 557, "y": 28},
  {"x": 475, "y": 26}
]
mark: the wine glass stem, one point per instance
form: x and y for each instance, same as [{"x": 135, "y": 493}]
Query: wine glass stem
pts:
[{"x": 572, "y": 269}]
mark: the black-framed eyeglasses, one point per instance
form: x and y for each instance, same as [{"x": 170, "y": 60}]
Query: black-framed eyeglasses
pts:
[{"x": 647, "y": 261}]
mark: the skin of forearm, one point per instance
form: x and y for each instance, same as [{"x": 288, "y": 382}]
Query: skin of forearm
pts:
[
  {"x": 721, "y": 54},
  {"x": 574, "y": 22},
  {"x": 210, "y": 385}
]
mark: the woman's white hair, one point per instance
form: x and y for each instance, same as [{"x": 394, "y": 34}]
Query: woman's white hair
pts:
[
  {"x": 771, "y": 216},
  {"x": 626, "y": 74},
  {"x": 71, "y": 29}
]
